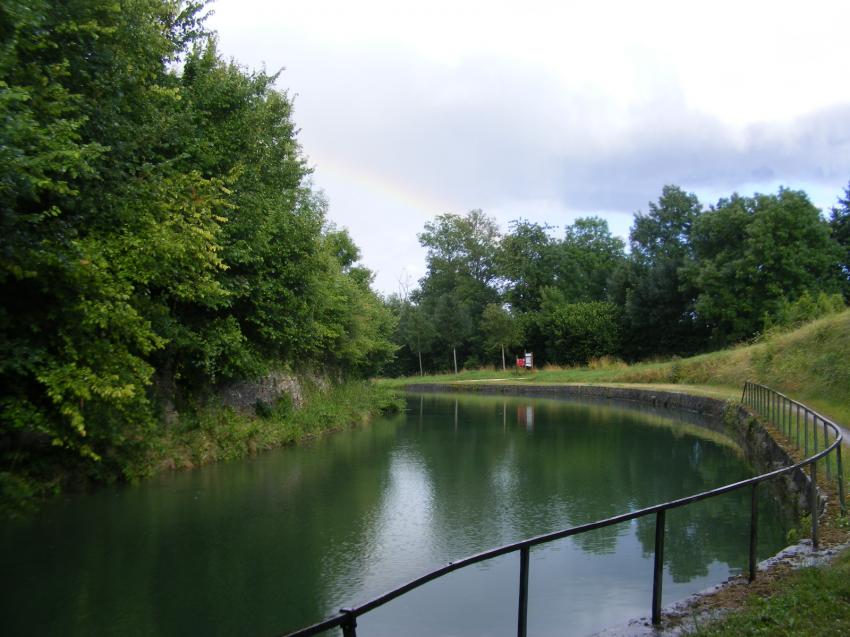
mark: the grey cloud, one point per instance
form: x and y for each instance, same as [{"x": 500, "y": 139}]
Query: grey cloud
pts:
[
  {"x": 484, "y": 133},
  {"x": 704, "y": 154}
]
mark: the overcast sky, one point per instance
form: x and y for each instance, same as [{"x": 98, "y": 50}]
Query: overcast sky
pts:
[{"x": 549, "y": 110}]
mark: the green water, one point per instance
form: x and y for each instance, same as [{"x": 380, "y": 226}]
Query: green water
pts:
[{"x": 266, "y": 545}]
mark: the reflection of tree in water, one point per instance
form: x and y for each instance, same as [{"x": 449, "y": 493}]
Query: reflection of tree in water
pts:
[
  {"x": 265, "y": 539},
  {"x": 697, "y": 535},
  {"x": 569, "y": 472},
  {"x": 716, "y": 529}
]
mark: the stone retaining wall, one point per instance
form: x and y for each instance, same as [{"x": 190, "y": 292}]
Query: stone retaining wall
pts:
[{"x": 245, "y": 395}]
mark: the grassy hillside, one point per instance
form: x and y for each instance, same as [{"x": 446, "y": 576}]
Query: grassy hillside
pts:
[{"x": 810, "y": 364}]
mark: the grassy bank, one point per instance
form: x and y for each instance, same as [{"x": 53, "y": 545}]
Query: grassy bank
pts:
[
  {"x": 809, "y": 364},
  {"x": 207, "y": 434},
  {"x": 811, "y": 602},
  {"x": 215, "y": 433}
]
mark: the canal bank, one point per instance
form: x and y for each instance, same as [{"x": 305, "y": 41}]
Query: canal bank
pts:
[
  {"x": 290, "y": 536},
  {"x": 762, "y": 445}
]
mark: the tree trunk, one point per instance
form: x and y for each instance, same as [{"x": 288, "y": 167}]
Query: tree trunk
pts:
[
  {"x": 454, "y": 354},
  {"x": 421, "y": 373},
  {"x": 503, "y": 358}
]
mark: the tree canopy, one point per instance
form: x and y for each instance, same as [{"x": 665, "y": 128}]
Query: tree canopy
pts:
[
  {"x": 159, "y": 234},
  {"x": 693, "y": 279}
]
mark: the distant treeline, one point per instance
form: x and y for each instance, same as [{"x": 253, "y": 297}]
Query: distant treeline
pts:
[
  {"x": 693, "y": 279},
  {"x": 159, "y": 234}
]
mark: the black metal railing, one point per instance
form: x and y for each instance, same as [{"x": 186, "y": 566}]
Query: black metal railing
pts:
[
  {"x": 801, "y": 428},
  {"x": 769, "y": 404}
]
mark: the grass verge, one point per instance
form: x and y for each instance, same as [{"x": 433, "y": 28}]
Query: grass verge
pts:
[
  {"x": 814, "y": 601},
  {"x": 215, "y": 433}
]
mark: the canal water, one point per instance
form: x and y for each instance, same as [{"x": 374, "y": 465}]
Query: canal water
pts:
[{"x": 266, "y": 545}]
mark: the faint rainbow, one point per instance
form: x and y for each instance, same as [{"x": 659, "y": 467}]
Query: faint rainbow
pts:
[{"x": 379, "y": 183}]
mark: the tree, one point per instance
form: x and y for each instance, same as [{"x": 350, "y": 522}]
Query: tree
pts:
[
  {"x": 658, "y": 301},
  {"x": 100, "y": 229},
  {"x": 839, "y": 223},
  {"x": 499, "y": 328},
  {"x": 158, "y": 231},
  {"x": 664, "y": 232},
  {"x": 577, "y": 332},
  {"x": 463, "y": 245},
  {"x": 453, "y": 319},
  {"x": 588, "y": 256},
  {"x": 415, "y": 330},
  {"x": 526, "y": 262},
  {"x": 236, "y": 124},
  {"x": 718, "y": 272},
  {"x": 459, "y": 281},
  {"x": 754, "y": 255}
]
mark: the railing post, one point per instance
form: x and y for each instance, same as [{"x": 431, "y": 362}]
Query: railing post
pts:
[
  {"x": 825, "y": 445},
  {"x": 769, "y": 406},
  {"x": 806, "y": 432},
  {"x": 840, "y": 470},
  {"x": 813, "y": 501},
  {"x": 658, "y": 572},
  {"x": 771, "y": 400},
  {"x": 754, "y": 529},
  {"x": 815, "y": 431},
  {"x": 797, "y": 410},
  {"x": 786, "y": 417},
  {"x": 777, "y": 412},
  {"x": 522, "y": 614},
  {"x": 349, "y": 624},
  {"x": 744, "y": 393},
  {"x": 766, "y": 399}
]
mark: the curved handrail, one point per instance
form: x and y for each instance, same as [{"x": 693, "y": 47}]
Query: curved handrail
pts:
[{"x": 759, "y": 397}]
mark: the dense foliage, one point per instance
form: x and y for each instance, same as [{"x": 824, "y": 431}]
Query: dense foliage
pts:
[
  {"x": 158, "y": 232},
  {"x": 693, "y": 279},
  {"x": 159, "y": 237}
]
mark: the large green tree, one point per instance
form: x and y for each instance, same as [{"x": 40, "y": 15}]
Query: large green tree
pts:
[
  {"x": 753, "y": 255},
  {"x": 657, "y": 300},
  {"x": 587, "y": 257},
  {"x": 459, "y": 283},
  {"x": 526, "y": 262},
  {"x": 416, "y": 330},
  {"x": 158, "y": 231},
  {"x": 499, "y": 329},
  {"x": 839, "y": 223},
  {"x": 99, "y": 230},
  {"x": 576, "y": 332}
]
